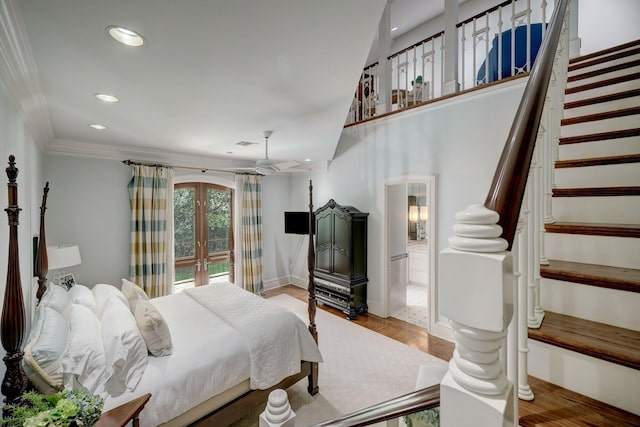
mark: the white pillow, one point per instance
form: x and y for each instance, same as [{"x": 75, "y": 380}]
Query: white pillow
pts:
[
  {"x": 103, "y": 293},
  {"x": 125, "y": 350},
  {"x": 133, "y": 292},
  {"x": 82, "y": 295},
  {"x": 57, "y": 298},
  {"x": 84, "y": 361},
  {"x": 154, "y": 328},
  {"x": 46, "y": 345}
]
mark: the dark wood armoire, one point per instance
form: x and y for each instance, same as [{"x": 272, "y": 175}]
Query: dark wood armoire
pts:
[{"x": 341, "y": 258}]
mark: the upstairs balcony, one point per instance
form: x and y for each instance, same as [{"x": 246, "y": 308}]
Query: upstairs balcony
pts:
[{"x": 497, "y": 44}]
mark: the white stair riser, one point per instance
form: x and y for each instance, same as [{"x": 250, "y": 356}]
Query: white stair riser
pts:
[
  {"x": 600, "y": 91},
  {"x": 598, "y": 126},
  {"x": 616, "y": 385},
  {"x": 602, "y": 250},
  {"x": 609, "y": 209},
  {"x": 602, "y": 107},
  {"x": 610, "y": 306},
  {"x": 584, "y": 150},
  {"x": 602, "y": 65},
  {"x": 605, "y": 76},
  {"x": 616, "y": 175}
]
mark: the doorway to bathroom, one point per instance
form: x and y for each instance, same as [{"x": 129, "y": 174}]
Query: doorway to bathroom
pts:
[{"x": 410, "y": 257}]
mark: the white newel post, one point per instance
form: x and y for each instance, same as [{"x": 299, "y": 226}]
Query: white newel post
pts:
[
  {"x": 450, "y": 83},
  {"x": 476, "y": 286}
]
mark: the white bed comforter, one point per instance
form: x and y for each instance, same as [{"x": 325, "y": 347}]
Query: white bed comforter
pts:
[
  {"x": 276, "y": 338},
  {"x": 210, "y": 355}
]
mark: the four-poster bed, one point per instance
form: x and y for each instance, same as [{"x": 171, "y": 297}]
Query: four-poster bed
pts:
[{"x": 215, "y": 409}]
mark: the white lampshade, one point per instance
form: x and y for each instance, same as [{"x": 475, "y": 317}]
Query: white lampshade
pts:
[
  {"x": 424, "y": 213},
  {"x": 63, "y": 256},
  {"x": 413, "y": 213}
]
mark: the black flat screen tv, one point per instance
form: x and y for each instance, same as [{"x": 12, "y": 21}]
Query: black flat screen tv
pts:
[{"x": 297, "y": 223}]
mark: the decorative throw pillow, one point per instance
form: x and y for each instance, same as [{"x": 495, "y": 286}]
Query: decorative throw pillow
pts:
[
  {"x": 84, "y": 360},
  {"x": 82, "y": 295},
  {"x": 133, "y": 292},
  {"x": 45, "y": 347},
  {"x": 103, "y": 293},
  {"x": 154, "y": 328},
  {"x": 57, "y": 298},
  {"x": 125, "y": 350}
]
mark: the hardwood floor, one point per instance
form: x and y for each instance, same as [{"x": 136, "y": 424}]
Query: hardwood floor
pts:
[{"x": 553, "y": 406}]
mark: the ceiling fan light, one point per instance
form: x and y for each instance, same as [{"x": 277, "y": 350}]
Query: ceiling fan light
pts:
[{"x": 125, "y": 36}]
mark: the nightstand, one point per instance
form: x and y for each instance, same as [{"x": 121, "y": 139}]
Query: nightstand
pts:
[{"x": 121, "y": 415}]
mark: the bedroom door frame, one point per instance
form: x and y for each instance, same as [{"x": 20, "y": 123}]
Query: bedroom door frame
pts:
[{"x": 431, "y": 184}]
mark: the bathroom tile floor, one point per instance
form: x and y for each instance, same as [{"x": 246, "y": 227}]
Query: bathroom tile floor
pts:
[{"x": 416, "y": 312}]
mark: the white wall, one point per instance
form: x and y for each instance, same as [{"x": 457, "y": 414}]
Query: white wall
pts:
[
  {"x": 598, "y": 30},
  {"x": 459, "y": 140},
  {"x": 89, "y": 205},
  {"x": 16, "y": 139}
]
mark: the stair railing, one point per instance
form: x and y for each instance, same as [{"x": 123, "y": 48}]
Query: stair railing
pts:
[
  {"x": 479, "y": 273},
  {"x": 421, "y": 400}
]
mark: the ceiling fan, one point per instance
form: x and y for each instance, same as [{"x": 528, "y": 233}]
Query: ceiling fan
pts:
[{"x": 269, "y": 166}]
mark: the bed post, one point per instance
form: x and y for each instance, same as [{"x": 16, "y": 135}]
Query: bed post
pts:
[
  {"x": 14, "y": 383},
  {"x": 311, "y": 262},
  {"x": 42, "y": 262}
]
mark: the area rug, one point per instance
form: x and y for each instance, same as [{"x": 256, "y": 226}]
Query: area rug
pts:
[{"x": 360, "y": 368}]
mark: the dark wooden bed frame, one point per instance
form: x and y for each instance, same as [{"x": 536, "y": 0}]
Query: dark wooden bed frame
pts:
[{"x": 13, "y": 326}]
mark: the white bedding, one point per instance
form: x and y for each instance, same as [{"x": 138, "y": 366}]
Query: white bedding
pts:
[{"x": 209, "y": 354}]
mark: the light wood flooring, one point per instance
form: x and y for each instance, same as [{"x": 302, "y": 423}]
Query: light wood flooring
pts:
[{"x": 553, "y": 406}]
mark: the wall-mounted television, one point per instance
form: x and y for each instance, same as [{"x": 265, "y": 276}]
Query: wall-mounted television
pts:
[{"x": 297, "y": 223}]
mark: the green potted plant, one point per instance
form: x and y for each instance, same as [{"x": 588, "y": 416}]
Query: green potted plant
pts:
[{"x": 62, "y": 409}]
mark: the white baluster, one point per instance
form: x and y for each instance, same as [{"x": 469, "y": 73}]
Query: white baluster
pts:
[
  {"x": 520, "y": 257},
  {"x": 477, "y": 297}
]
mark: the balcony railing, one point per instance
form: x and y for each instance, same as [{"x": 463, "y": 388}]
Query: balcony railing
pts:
[{"x": 498, "y": 43}]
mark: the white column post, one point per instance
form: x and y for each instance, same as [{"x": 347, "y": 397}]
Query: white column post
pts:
[
  {"x": 450, "y": 83},
  {"x": 476, "y": 285},
  {"x": 384, "y": 66}
]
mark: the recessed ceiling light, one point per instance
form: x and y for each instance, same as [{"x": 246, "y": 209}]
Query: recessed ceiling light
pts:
[
  {"x": 106, "y": 97},
  {"x": 307, "y": 160},
  {"x": 98, "y": 127},
  {"x": 394, "y": 29},
  {"x": 125, "y": 36}
]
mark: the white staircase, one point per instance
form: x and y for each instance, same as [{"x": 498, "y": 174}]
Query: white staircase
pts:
[{"x": 589, "y": 341}]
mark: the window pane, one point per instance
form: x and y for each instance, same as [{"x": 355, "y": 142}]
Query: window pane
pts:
[
  {"x": 185, "y": 274},
  {"x": 218, "y": 220},
  {"x": 184, "y": 222}
]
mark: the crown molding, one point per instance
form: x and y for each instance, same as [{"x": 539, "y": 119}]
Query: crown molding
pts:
[{"x": 19, "y": 75}]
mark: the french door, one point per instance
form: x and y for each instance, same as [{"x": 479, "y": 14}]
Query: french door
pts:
[{"x": 203, "y": 233}]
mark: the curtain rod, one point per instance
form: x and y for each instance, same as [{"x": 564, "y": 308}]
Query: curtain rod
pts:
[{"x": 203, "y": 170}]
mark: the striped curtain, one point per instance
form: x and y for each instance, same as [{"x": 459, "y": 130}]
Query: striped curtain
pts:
[
  {"x": 151, "y": 201},
  {"x": 248, "y": 187}
]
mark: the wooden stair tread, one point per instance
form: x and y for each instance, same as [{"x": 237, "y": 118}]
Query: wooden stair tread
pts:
[
  {"x": 593, "y": 229},
  {"x": 602, "y": 83},
  {"x": 604, "y": 98},
  {"x": 604, "y": 52},
  {"x": 603, "y": 70},
  {"x": 601, "y": 136},
  {"x": 598, "y": 161},
  {"x": 606, "y": 342},
  {"x": 612, "y": 56},
  {"x": 555, "y": 406},
  {"x": 600, "y": 116},
  {"x": 596, "y": 191},
  {"x": 604, "y": 276}
]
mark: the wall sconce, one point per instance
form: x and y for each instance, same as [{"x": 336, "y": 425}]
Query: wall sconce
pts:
[
  {"x": 413, "y": 213},
  {"x": 424, "y": 213},
  {"x": 61, "y": 257}
]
